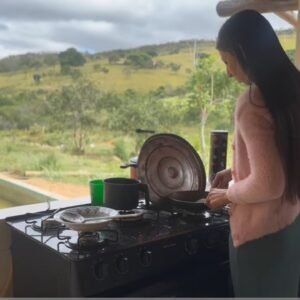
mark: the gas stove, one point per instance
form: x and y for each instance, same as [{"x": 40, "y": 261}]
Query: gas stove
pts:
[{"x": 153, "y": 256}]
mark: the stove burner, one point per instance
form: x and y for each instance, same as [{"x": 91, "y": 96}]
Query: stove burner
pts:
[
  {"x": 133, "y": 215},
  {"x": 86, "y": 241},
  {"x": 46, "y": 224}
]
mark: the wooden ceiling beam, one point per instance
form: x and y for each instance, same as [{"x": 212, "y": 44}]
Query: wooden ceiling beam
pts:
[
  {"x": 288, "y": 16},
  {"x": 230, "y": 7}
]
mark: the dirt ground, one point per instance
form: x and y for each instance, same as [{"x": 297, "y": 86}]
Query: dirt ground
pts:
[
  {"x": 65, "y": 189},
  {"x": 68, "y": 190}
]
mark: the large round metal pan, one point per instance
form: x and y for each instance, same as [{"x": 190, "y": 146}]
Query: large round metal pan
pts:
[
  {"x": 167, "y": 163},
  {"x": 86, "y": 212},
  {"x": 65, "y": 217}
]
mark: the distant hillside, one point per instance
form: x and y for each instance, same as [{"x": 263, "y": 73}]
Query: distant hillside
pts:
[
  {"x": 21, "y": 62},
  {"x": 37, "y": 60},
  {"x": 172, "y": 65},
  {"x": 160, "y": 49}
]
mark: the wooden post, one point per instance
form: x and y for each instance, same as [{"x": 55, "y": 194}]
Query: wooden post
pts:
[
  {"x": 229, "y": 7},
  {"x": 289, "y": 17},
  {"x": 297, "y": 58}
]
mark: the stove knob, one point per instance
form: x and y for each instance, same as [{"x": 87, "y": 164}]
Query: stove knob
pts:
[
  {"x": 212, "y": 240},
  {"x": 146, "y": 258},
  {"x": 122, "y": 264},
  {"x": 191, "y": 246},
  {"x": 99, "y": 270}
]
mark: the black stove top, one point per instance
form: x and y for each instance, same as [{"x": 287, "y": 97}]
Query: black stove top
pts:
[
  {"x": 86, "y": 264},
  {"x": 119, "y": 235}
]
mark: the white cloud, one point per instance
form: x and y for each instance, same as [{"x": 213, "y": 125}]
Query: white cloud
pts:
[{"x": 39, "y": 25}]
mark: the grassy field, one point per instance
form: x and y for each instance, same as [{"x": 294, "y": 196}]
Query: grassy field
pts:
[
  {"x": 24, "y": 156},
  {"x": 288, "y": 41},
  {"x": 119, "y": 78},
  {"x": 45, "y": 154}
]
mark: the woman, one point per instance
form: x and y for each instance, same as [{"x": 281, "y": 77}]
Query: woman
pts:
[{"x": 264, "y": 198}]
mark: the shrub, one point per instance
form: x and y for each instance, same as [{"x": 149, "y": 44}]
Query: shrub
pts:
[
  {"x": 48, "y": 162},
  {"x": 120, "y": 150}
]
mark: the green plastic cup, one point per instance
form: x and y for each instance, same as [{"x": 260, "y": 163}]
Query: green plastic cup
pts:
[{"x": 97, "y": 192}]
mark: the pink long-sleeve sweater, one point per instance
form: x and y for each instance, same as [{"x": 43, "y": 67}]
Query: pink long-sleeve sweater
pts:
[{"x": 257, "y": 206}]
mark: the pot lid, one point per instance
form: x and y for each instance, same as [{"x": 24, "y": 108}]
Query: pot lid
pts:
[{"x": 167, "y": 163}]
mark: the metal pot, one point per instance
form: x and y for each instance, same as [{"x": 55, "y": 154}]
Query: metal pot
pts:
[
  {"x": 132, "y": 164},
  {"x": 124, "y": 193}
]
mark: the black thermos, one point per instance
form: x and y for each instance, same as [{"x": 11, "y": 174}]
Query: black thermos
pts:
[{"x": 218, "y": 152}]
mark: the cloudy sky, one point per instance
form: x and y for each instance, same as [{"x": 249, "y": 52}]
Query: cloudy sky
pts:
[{"x": 99, "y": 25}]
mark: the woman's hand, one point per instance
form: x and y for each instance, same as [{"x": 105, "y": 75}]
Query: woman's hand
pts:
[
  {"x": 217, "y": 199},
  {"x": 222, "y": 179}
]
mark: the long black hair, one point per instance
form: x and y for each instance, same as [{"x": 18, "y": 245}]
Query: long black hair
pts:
[{"x": 250, "y": 38}]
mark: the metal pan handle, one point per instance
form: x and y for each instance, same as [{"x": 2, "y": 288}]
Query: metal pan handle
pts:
[{"x": 128, "y": 165}]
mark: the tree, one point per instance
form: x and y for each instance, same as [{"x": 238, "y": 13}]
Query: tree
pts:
[
  {"x": 37, "y": 78},
  {"x": 291, "y": 54},
  {"x": 139, "y": 60},
  {"x": 73, "y": 108},
  {"x": 208, "y": 88},
  {"x": 51, "y": 59},
  {"x": 97, "y": 67},
  {"x": 175, "y": 67},
  {"x": 19, "y": 110},
  {"x": 158, "y": 64},
  {"x": 71, "y": 57},
  {"x": 151, "y": 52},
  {"x": 104, "y": 70},
  {"x": 113, "y": 58},
  {"x": 137, "y": 110}
]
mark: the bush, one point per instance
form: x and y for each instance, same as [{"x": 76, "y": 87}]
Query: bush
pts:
[
  {"x": 97, "y": 67},
  {"x": 120, "y": 150},
  {"x": 139, "y": 60},
  {"x": 65, "y": 70},
  {"x": 49, "y": 162},
  {"x": 71, "y": 57},
  {"x": 174, "y": 67},
  {"x": 104, "y": 70},
  {"x": 76, "y": 74}
]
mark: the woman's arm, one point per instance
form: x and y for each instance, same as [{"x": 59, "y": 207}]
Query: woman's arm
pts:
[
  {"x": 222, "y": 179},
  {"x": 266, "y": 180}
]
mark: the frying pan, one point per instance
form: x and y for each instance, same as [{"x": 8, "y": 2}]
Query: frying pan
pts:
[{"x": 187, "y": 200}]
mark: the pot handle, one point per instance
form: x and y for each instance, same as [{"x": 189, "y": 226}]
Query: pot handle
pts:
[
  {"x": 144, "y": 188},
  {"x": 128, "y": 165},
  {"x": 139, "y": 130}
]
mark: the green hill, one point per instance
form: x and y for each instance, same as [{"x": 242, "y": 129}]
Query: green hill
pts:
[{"x": 117, "y": 77}]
